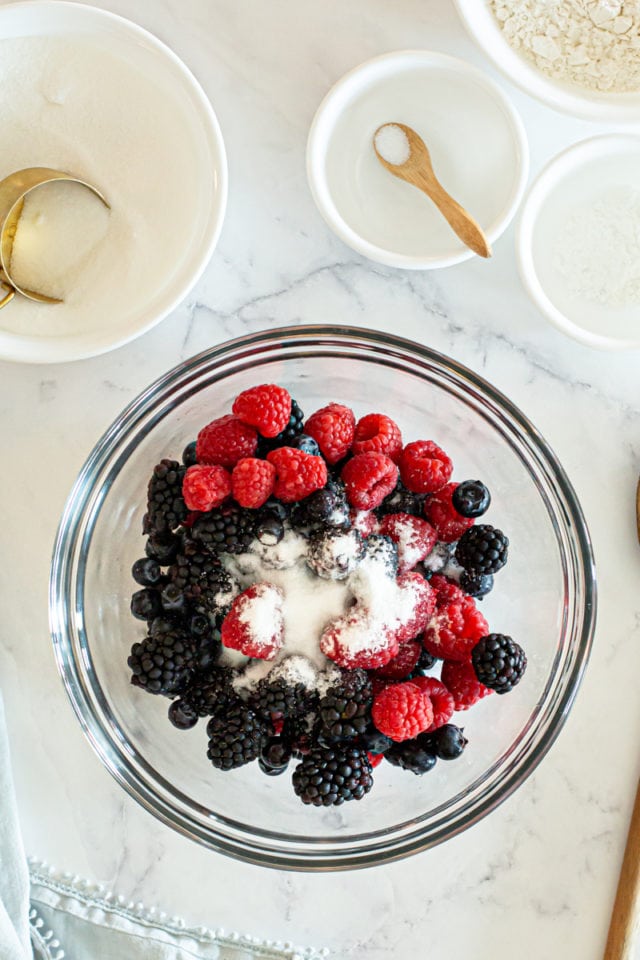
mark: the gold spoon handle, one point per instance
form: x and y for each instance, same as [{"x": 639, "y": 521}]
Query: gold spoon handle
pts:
[
  {"x": 8, "y": 291},
  {"x": 625, "y": 918},
  {"x": 460, "y": 221}
]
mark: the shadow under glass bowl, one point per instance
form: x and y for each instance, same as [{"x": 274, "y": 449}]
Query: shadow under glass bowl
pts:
[{"x": 545, "y": 598}]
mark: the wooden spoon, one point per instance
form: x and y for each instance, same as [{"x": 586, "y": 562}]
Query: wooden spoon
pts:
[
  {"x": 625, "y": 917},
  {"x": 417, "y": 170}
]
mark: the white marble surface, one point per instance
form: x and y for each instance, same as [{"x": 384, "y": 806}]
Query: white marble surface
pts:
[{"x": 537, "y": 877}]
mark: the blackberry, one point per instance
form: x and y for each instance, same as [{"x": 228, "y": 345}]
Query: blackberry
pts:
[
  {"x": 477, "y": 586},
  {"x": 381, "y": 549},
  {"x": 345, "y": 708},
  {"x": 235, "y": 737},
  {"x": 182, "y": 715},
  {"x": 284, "y": 439},
  {"x": 482, "y": 549},
  {"x": 417, "y": 756},
  {"x": 146, "y": 572},
  {"x": 498, "y": 662},
  {"x": 326, "y": 508},
  {"x": 334, "y": 554},
  {"x": 471, "y": 498},
  {"x": 425, "y": 662},
  {"x": 165, "y": 507},
  {"x": 145, "y": 604},
  {"x": 189, "y": 457},
  {"x": 274, "y": 756},
  {"x": 163, "y": 547},
  {"x": 448, "y": 741},
  {"x": 162, "y": 664},
  {"x": 202, "y": 579},
  {"x": 225, "y": 530},
  {"x": 333, "y": 775},
  {"x": 401, "y": 500},
  {"x": 211, "y": 693},
  {"x": 280, "y": 698}
]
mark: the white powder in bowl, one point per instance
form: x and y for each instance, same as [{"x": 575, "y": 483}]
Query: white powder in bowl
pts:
[
  {"x": 130, "y": 130},
  {"x": 392, "y": 144}
]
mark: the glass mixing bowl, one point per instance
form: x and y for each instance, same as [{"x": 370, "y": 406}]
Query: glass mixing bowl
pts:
[{"x": 545, "y": 598}]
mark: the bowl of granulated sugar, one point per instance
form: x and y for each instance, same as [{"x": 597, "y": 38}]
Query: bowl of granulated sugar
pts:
[
  {"x": 93, "y": 95},
  {"x": 580, "y": 57}
]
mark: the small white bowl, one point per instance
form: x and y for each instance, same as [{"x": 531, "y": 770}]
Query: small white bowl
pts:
[
  {"x": 566, "y": 97},
  {"x": 478, "y": 147},
  {"x": 602, "y": 170},
  {"x": 206, "y": 190}
]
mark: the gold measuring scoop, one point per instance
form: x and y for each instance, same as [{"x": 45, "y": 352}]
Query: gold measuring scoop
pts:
[{"x": 13, "y": 191}]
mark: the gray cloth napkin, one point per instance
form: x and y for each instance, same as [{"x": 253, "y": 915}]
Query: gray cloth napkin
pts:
[{"x": 48, "y": 916}]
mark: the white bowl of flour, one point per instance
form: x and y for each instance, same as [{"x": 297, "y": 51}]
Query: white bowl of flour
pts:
[
  {"x": 89, "y": 93},
  {"x": 578, "y": 242},
  {"x": 578, "y": 56}
]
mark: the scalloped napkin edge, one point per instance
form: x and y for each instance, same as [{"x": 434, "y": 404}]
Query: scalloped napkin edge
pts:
[{"x": 110, "y": 925}]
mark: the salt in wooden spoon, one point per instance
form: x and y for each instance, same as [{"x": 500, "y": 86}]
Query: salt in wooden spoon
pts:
[{"x": 409, "y": 159}]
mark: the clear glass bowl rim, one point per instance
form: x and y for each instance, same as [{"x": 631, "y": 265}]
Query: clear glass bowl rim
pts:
[{"x": 272, "y": 849}]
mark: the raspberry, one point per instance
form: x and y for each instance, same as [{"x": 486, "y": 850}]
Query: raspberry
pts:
[
  {"x": 252, "y": 482},
  {"x": 225, "y": 441},
  {"x": 402, "y": 711},
  {"x": 454, "y": 630},
  {"x": 415, "y": 538},
  {"x": 204, "y": 488},
  {"x": 254, "y": 624},
  {"x": 463, "y": 685},
  {"x": 332, "y": 428},
  {"x": 356, "y": 640},
  {"x": 266, "y": 407},
  {"x": 440, "y": 511},
  {"x": 298, "y": 474},
  {"x": 419, "y": 606},
  {"x": 446, "y": 591},
  {"x": 402, "y": 664},
  {"x": 365, "y": 521},
  {"x": 377, "y": 433},
  {"x": 368, "y": 478},
  {"x": 424, "y": 467},
  {"x": 441, "y": 700}
]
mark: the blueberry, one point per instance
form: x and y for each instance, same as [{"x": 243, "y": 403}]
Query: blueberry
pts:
[
  {"x": 306, "y": 444},
  {"x": 189, "y": 454},
  {"x": 163, "y": 548},
  {"x": 182, "y": 715},
  {"x": 476, "y": 585},
  {"x": 172, "y": 598},
  {"x": 274, "y": 507},
  {"x": 448, "y": 741},
  {"x": 270, "y": 529},
  {"x": 145, "y": 604},
  {"x": 471, "y": 498},
  {"x": 375, "y": 742},
  {"x": 425, "y": 662},
  {"x": 146, "y": 572}
]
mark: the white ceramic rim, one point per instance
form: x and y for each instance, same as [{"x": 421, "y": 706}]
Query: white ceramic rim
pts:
[
  {"x": 24, "y": 349},
  {"x": 555, "y": 171},
  {"x": 567, "y": 98},
  {"x": 324, "y": 122}
]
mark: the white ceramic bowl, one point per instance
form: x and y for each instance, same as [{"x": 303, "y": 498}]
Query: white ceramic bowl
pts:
[
  {"x": 478, "y": 147},
  {"x": 603, "y": 171},
  {"x": 205, "y": 189},
  {"x": 569, "y": 98}
]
